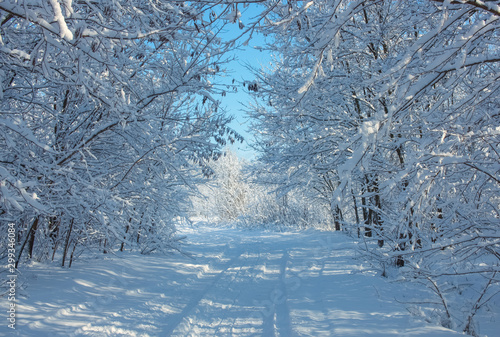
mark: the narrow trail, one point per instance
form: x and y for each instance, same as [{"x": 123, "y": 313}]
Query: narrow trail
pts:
[{"x": 240, "y": 283}]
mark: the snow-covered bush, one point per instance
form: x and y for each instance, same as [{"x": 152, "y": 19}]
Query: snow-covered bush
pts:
[
  {"x": 225, "y": 196},
  {"x": 269, "y": 209},
  {"x": 245, "y": 194}
]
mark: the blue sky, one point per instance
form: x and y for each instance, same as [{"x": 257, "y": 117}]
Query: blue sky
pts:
[{"x": 235, "y": 103}]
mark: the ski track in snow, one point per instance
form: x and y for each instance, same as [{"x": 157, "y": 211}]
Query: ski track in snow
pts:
[{"x": 241, "y": 283}]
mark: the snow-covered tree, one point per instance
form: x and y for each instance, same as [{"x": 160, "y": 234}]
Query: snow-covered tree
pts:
[
  {"x": 225, "y": 197},
  {"x": 247, "y": 194},
  {"x": 104, "y": 107},
  {"x": 390, "y": 110},
  {"x": 272, "y": 206}
]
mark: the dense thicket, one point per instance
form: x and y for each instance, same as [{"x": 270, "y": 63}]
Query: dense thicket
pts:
[
  {"x": 104, "y": 108},
  {"x": 389, "y": 111},
  {"x": 246, "y": 194}
]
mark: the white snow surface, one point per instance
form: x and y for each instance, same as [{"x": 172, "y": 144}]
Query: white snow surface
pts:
[{"x": 239, "y": 283}]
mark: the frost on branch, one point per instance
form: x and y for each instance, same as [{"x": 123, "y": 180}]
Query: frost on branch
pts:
[
  {"x": 104, "y": 112},
  {"x": 392, "y": 128}
]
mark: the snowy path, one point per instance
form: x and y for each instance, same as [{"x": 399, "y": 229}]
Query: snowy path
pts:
[{"x": 242, "y": 283}]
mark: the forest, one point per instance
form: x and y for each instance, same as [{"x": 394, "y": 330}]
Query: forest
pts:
[{"x": 378, "y": 119}]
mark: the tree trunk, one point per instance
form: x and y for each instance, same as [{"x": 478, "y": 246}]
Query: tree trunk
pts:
[
  {"x": 356, "y": 211},
  {"x": 366, "y": 220},
  {"x": 33, "y": 225},
  {"x": 377, "y": 220},
  {"x": 125, "y": 237},
  {"x": 66, "y": 245},
  {"x": 72, "y": 252},
  {"x": 54, "y": 233},
  {"x": 337, "y": 218},
  {"x": 31, "y": 241},
  {"x": 373, "y": 219}
]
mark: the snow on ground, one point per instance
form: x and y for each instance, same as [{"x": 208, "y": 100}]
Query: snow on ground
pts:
[{"x": 240, "y": 283}]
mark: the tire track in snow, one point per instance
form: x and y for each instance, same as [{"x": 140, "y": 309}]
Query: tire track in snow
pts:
[
  {"x": 174, "y": 322},
  {"x": 234, "y": 289},
  {"x": 283, "y": 322},
  {"x": 324, "y": 310},
  {"x": 233, "y": 303},
  {"x": 276, "y": 320}
]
